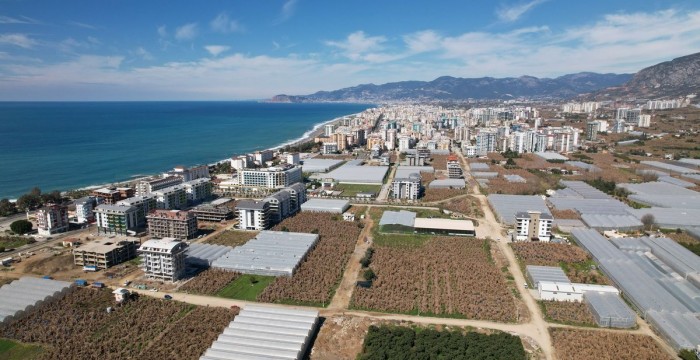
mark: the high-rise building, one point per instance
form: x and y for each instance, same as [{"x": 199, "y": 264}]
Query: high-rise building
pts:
[
  {"x": 253, "y": 215},
  {"x": 486, "y": 142},
  {"x": 151, "y": 185},
  {"x": 163, "y": 259},
  {"x": 116, "y": 219},
  {"x": 329, "y": 129},
  {"x": 143, "y": 204},
  {"x": 454, "y": 170},
  {"x": 592, "y": 128},
  {"x": 52, "y": 219},
  {"x": 197, "y": 190},
  {"x": 644, "y": 120},
  {"x": 272, "y": 178},
  {"x": 406, "y": 188},
  {"x": 83, "y": 209},
  {"x": 189, "y": 174},
  {"x": 533, "y": 226},
  {"x": 174, "y": 197}
]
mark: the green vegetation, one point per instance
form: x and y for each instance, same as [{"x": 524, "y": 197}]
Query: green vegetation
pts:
[
  {"x": 11, "y": 242},
  {"x": 12, "y": 350},
  {"x": 694, "y": 247},
  {"x": 367, "y": 259},
  {"x": 351, "y": 190},
  {"x": 390, "y": 343},
  {"x": 400, "y": 240},
  {"x": 686, "y": 354},
  {"x": 21, "y": 227},
  {"x": 607, "y": 187},
  {"x": 247, "y": 287},
  {"x": 7, "y": 208}
]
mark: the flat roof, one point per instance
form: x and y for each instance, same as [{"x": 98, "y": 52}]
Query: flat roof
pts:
[
  {"x": 550, "y": 155},
  {"x": 102, "y": 246},
  {"x": 319, "y": 165},
  {"x": 353, "y": 173},
  {"x": 443, "y": 224},
  {"x": 325, "y": 205},
  {"x": 401, "y": 217}
]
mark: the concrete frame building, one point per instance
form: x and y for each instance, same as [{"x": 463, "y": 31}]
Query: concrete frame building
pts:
[
  {"x": 253, "y": 215},
  {"x": 104, "y": 254},
  {"x": 116, "y": 219},
  {"x": 144, "y": 205},
  {"x": 533, "y": 226},
  {"x": 106, "y": 196},
  {"x": 454, "y": 170},
  {"x": 52, "y": 219},
  {"x": 406, "y": 188},
  {"x": 84, "y": 209},
  {"x": 273, "y": 177},
  {"x": 181, "y": 225},
  {"x": 163, "y": 259}
]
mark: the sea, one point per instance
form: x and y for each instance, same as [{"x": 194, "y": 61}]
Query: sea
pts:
[{"x": 71, "y": 145}]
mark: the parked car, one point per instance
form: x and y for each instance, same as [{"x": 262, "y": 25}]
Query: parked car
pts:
[{"x": 167, "y": 297}]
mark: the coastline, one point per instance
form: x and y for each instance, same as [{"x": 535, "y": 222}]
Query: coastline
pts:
[{"x": 309, "y": 135}]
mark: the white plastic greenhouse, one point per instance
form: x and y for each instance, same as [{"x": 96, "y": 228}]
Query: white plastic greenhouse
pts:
[{"x": 22, "y": 296}]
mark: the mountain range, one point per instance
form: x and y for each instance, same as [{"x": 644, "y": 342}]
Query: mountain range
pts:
[{"x": 672, "y": 78}]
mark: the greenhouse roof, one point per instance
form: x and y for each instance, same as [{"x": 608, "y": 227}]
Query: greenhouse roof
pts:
[{"x": 506, "y": 206}]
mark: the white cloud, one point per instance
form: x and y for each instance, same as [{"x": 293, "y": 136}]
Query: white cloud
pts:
[
  {"x": 162, "y": 31},
  {"x": 514, "y": 12},
  {"x": 82, "y": 25},
  {"x": 357, "y": 44},
  {"x": 223, "y": 24},
  {"x": 186, "y": 32},
  {"x": 18, "y": 20},
  {"x": 216, "y": 49},
  {"x": 287, "y": 11},
  {"x": 143, "y": 53},
  {"x": 20, "y": 40},
  {"x": 422, "y": 41}
]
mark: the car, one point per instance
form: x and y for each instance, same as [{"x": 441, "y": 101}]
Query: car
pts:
[
  {"x": 154, "y": 290},
  {"x": 167, "y": 297}
]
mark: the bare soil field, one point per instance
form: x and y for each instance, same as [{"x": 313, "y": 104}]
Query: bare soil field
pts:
[
  {"x": 548, "y": 254},
  {"x": 568, "y": 312},
  {"x": 468, "y": 206},
  {"x": 604, "y": 345}
]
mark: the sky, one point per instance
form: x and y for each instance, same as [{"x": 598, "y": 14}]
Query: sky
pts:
[{"x": 236, "y": 50}]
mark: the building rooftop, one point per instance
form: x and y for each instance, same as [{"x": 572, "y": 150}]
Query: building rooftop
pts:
[
  {"x": 325, "y": 205},
  {"x": 251, "y": 205},
  {"x": 170, "y": 214},
  {"x": 443, "y": 224},
  {"x": 114, "y": 208},
  {"x": 104, "y": 246},
  {"x": 163, "y": 245},
  {"x": 401, "y": 217}
]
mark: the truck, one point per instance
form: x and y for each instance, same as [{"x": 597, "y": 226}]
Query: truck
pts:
[
  {"x": 92, "y": 268},
  {"x": 80, "y": 282}
]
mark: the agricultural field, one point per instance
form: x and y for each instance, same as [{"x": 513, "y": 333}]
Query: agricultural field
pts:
[
  {"x": 575, "y": 261},
  {"x": 209, "y": 282},
  {"x": 396, "y": 342},
  {"x": 12, "y": 350},
  {"x": 686, "y": 240},
  {"x": 604, "y": 345},
  {"x": 78, "y": 327},
  {"x": 351, "y": 190},
  {"x": 443, "y": 276},
  {"x": 12, "y": 242},
  {"x": 567, "y": 312},
  {"x": 231, "y": 237},
  {"x": 439, "y": 162},
  {"x": 246, "y": 287},
  {"x": 468, "y": 206},
  {"x": 315, "y": 280},
  {"x": 565, "y": 214}
]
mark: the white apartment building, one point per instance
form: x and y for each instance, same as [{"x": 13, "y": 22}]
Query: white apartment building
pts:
[
  {"x": 152, "y": 185},
  {"x": 329, "y": 148},
  {"x": 169, "y": 198},
  {"x": 116, "y": 219},
  {"x": 241, "y": 162},
  {"x": 83, "y": 209},
  {"x": 144, "y": 205},
  {"x": 253, "y": 215},
  {"x": 261, "y": 157},
  {"x": 273, "y": 177},
  {"x": 461, "y": 133},
  {"x": 663, "y": 104},
  {"x": 644, "y": 120},
  {"x": 197, "y": 190},
  {"x": 52, "y": 219},
  {"x": 404, "y": 143},
  {"x": 406, "y": 188},
  {"x": 469, "y": 151},
  {"x": 189, "y": 174},
  {"x": 630, "y": 116},
  {"x": 329, "y": 129},
  {"x": 486, "y": 142},
  {"x": 280, "y": 207},
  {"x": 533, "y": 226},
  {"x": 292, "y": 158},
  {"x": 163, "y": 259}
]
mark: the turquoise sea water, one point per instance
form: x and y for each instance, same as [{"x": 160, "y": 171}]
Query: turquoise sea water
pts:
[{"x": 68, "y": 145}]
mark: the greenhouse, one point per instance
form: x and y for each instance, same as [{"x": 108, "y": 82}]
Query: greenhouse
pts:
[
  {"x": 506, "y": 206},
  {"x": 22, "y": 296},
  {"x": 478, "y": 166},
  {"x": 586, "y": 191},
  {"x": 609, "y": 310},
  {"x": 270, "y": 253},
  {"x": 202, "y": 255},
  {"x": 265, "y": 332},
  {"x": 537, "y": 274}
]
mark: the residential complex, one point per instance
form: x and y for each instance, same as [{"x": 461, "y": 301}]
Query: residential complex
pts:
[
  {"x": 273, "y": 177},
  {"x": 216, "y": 210},
  {"x": 189, "y": 174},
  {"x": 116, "y": 219},
  {"x": 144, "y": 204},
  {"x": 52, "y": 219},
  {"x": 181, "y": 225},
  {"x": 173, "y": 197},
  {"x": 154, "y": 184},
  {"x": 197, "y": 190},
  {"x": 103, "y": 254},
  {"x": 163, "y": 259}
]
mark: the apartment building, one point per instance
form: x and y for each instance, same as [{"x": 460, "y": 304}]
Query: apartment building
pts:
[
  {"x": 151, "y": 185},
  {"x": 181, "y": 225},
  {"x": 189, "y": 174},
  {"x": 174, "y": 197},
  {"x": 486, "y": 142},
  {"x": 292, "y": 158},
  {"x": 197, "y": 190},
  {"x": 329, "y": 148},
  {"x": 52, "y": 219},
  {"x": 163, "y": 259},
  {"x": 84, "y": 209},
  {"x": 533, "y": 226},
  {"x": 253, "y": 215},
  {"x": 644, "y": 120},
  {"x": 592, "y": 128},
  {"x": 273, "y": 177},
  {"x": 454, "y": 170},
  {"x": 261, "y": 157},
  {"x": 106, "y": 253},
  {"x": 279, "y": 205},
  {"x": 116, "y": 219},
  {"x": 406, "y": 188},
  {"x": 143, "y": 204},
  {"x": 106, "y": 195}
]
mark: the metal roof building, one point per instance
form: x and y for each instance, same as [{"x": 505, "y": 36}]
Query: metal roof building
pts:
[
  {"x": 583, "y": 165},
  {"x": 609, "y": 310},
  {"x": 401, "y": 217},
  {"x": 270, "y": 253},
  {"x": 485, "y": 174},
  {"x": 319, "y": 165},
  {"x": 550, "y": 155},
  {"x": 404, "y": 171},
  {"x": 353, "y": 173},
  {"x": 506, "y": 206},
  {"x": 604, "y": 222},
  {"x": 669, "y": 302},
  {"x": 670, "y": 167},
  {"x": 23, "y": 295},
  {"x": 478, "y": 166},
  {"x": 325, "y": 205},
  {"x": 586, "y": 191},
  {"x": 447, "y": 183},
  {"x": 514, "y": 178},
  {"x": 203, "y": 255},
  {"x": 537, "y": 274},
  {"x": 444, "y": 226},
  {"x": 689, "y": 161},
  {"x": 265, "y": 332}
]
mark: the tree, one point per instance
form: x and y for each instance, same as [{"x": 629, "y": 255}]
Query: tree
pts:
[
  {"x": 510, "y": 162},
  {"x": 7, "y": 208},
  {"x": 21, "y": 227},
  {"x": 369, "y": 275},
  {"x": 648, "y": 220},
  {"x": 53, "y": 197},
  {"x": 28, "y": 202}
]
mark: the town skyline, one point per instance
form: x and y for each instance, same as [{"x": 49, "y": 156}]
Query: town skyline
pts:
[{"x": 222, "y": 51}]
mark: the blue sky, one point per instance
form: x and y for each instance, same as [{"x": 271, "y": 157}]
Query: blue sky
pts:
[{"x": 231, "y": 50}]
